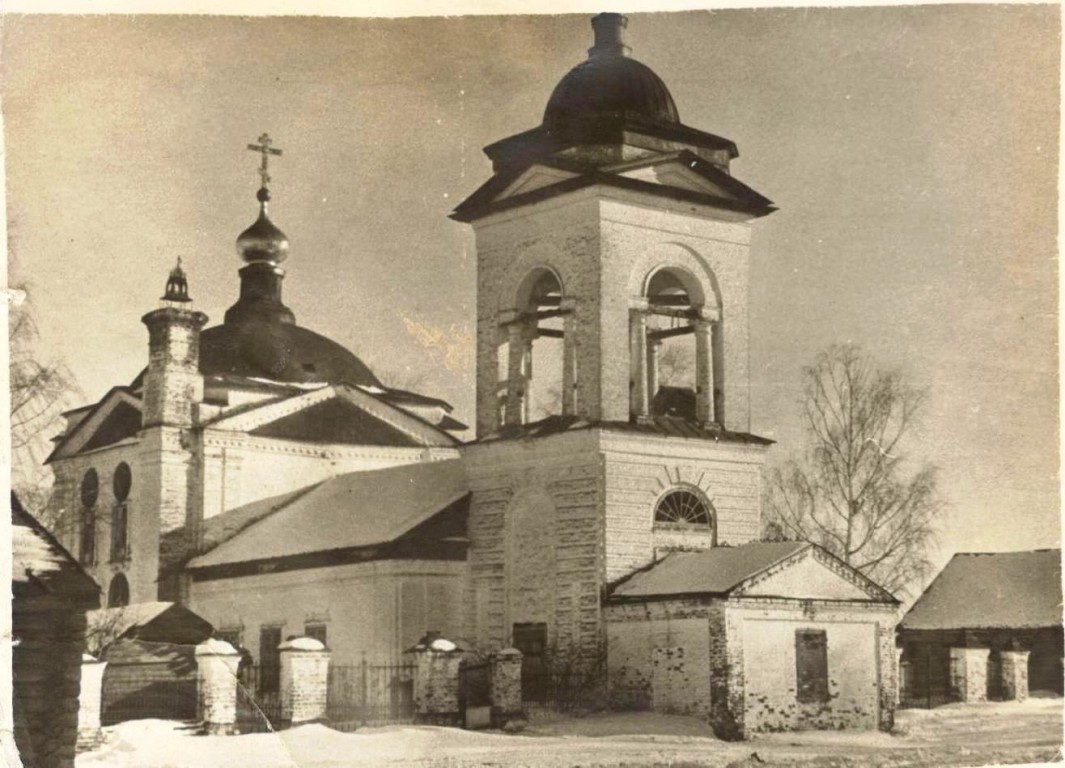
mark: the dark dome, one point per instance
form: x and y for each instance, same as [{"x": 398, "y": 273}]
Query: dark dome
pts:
[
  {"x": 282, "y": 352},
  {"x": 610, "y": 86}
]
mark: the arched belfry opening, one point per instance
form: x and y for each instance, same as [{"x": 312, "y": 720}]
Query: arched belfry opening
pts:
[
  {"x": 675, "y": 366},
  {"x": 537, "y": 364}
]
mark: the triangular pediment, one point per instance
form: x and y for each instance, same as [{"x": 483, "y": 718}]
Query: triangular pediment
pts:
[
  {"x": 677, "y": 175},
  {"x": 117, "y": 417},
  {"x": 536, "y": 177},
  {"x": 811, "y": 574},
  {"x": 334, "y": 415}
]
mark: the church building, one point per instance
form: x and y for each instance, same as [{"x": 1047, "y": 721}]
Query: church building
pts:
[{"x": 263, "y": 476}]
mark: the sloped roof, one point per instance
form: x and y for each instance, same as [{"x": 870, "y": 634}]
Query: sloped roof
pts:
[
  {"x": 38, "y": 558},
  {"x": 992, "y": 590},
  {"x": 666, "y": 426},
  {"x": 357, "y": 509},
  {"x": 714, "y": 571},
  {"x": 155, "y": 621}
]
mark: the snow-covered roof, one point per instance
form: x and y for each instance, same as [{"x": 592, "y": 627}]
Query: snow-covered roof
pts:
[{"x": 991, "y": 590}]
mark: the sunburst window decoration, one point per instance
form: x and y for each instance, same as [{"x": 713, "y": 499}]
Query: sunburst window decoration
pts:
[{"x": 684, "y": 506}]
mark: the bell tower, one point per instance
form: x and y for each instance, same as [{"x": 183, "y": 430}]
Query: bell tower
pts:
[
  {"x": 613, "y": 402},
  {"x": 616, "y": 234}
]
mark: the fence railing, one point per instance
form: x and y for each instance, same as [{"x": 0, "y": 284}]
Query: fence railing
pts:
[
  {"x": 369, "y": 694},
  {"x": 928, "y": 681},
  {"x": 258, "y": 698}
]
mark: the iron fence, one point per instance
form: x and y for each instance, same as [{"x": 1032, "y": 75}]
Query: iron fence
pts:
[
  {"x": 929, "y": 680},
  {"x": 369, "y": 694},
  {"x": 258, "y": 698}
]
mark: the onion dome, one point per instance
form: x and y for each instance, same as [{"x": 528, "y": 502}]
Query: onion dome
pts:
[
  {"x": 610, "y": 85},
  {"x": 263, "y": 241}
]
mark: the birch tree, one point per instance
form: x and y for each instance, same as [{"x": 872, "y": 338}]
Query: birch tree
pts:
[{"x": 854, "y": 492}]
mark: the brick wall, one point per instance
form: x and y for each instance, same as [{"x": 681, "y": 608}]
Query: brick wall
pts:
[{"x": 534, "y": 538}]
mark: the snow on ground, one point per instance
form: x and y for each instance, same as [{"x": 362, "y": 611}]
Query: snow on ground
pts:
[{"x": 955, "y": 735}]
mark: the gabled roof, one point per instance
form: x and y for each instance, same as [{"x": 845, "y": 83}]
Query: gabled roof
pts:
[
  {"x": 335, "y": 421},
  {"x": 160, "y": 621},
  {"x": 731, "y": 193},
  {"x": 108, "y": 421},
  {"x": 358, "y": 509},
  {"x": 992, "y": 590},
  {"x": 40, "y": 563},
  {"x": 714, "y": 571}
]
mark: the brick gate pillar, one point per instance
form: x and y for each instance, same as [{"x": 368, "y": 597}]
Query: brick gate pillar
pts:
[
  {"x": 217, "y": 663},
  {"x": 90, "y": 700},
  {"x": 304, "y": 680},
  {"x": 506, "y": 686},
  {"x": 968, "y": 673},
  {"x": 1015, "y": 675},
  {"x": 436, "y": 682}
]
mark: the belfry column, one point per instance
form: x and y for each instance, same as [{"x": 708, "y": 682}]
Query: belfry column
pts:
[
  {"x": 515, "y": 409},
  {"x": 704, "y": 370},
  {"x": 569, "y": 356},
  {"x": 638, "y": 355},
  {"x": 653, "y": 348}
]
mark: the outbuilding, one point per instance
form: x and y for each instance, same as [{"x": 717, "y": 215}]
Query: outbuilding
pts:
[
  {"x": 50, "y": 596},
  {"x": 989, "y": 626},
  {"x": 757, "y": 637}
]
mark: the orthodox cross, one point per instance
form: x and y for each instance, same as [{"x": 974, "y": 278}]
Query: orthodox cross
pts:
[{"x": 264, "y": 147}]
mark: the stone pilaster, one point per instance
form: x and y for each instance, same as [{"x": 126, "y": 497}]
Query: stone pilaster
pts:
[
  {"x": 304, "y": 680},
  {"x": 638, "y": 355},
  {"x": 704, "y": 371},
  {"x": 217, "y": 663},
  {"x": 89, "y": 703},
  {"x": 968, "y": 673},
  {"x": 1015, "y": 675},
  {"x": 506, "y": 685}
]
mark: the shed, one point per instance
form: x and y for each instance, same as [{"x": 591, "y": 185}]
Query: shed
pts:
[
  {"x": 151, "y": 665},
  {"x": 758, "y": 637},
  {"x": 51, "y": 594},
  {"x": 994, "y": 601}
]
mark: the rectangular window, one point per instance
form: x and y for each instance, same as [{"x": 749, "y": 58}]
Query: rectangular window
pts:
[
  {"x": 119, "y": 536},
  {"x": 317, "y": 631},
  {"x": 231, "y": 636},
  {"x": 269, "y": 658},
  {"x": 811, "y": 665}
]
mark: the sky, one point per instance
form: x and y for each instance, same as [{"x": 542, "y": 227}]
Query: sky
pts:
[{"x": 912, "y": 152}]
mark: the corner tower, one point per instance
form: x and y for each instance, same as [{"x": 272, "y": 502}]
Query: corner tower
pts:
[{"x": 612, "y": 351}]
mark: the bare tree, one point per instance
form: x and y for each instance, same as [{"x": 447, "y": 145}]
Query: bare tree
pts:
[
  {"x": 40, "y": 390},
  {"x": 675, "y": 365},
  {"x": 854, "y": 492}
]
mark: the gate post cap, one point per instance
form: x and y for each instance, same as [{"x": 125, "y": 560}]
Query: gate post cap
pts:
[
  {"x": 302, "y": 644},
  {"x": 212, "y": 646},
  {"x": 509, "y": 652}
]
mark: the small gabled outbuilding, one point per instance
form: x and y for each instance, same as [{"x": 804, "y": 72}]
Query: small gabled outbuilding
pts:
[
  {"x": 51, "y": 594},
  {"x": 758, "y": 637},
  {"x": 984, "y": 609}
]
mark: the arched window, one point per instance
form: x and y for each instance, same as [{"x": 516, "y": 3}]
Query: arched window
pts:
[
  {"x": 118, "y": 592},
  {"x": 121, "y": 484},
  {"x": 684, "y": 507},
  {"x": 90, "y": 493},
  {"x": 675, "y": 366},
  {"x": 540, "y": 326}
]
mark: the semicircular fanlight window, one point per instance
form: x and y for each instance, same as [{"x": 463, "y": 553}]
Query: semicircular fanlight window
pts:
[{"x": 682, "y": 507}]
